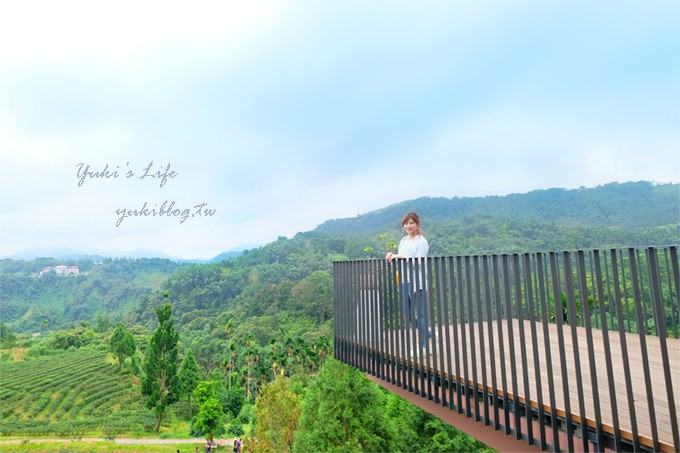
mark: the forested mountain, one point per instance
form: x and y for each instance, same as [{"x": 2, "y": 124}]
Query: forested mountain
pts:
[
  {"x": 34, "y": 301},
  {"x": 629, "y": 205}
]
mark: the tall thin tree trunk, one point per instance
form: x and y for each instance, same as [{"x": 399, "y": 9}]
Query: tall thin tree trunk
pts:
[{"x": 158, "y": 422}]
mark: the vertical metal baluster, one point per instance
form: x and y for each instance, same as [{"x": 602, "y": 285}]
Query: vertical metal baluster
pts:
[
  {"x": 573, "y": 322},
  {"x": 408, "y": 369},
  {"x": 507, "y": 294},
  {"x": 471, "y": 328},
  {"x": 607, "y": 348},
  {"x": 388, "y": 310},
  {"x": 458, "y": 321},
  {"x": 480, "y": 325},
  {"x": 583, "y": 289},
  {"x": 397, "y": 344},
  {"x": 418, "y": 361},
  {"x": 416, "y": 302},
  {"x": 368, "y": 320},
  {"x": 454, "y": 325},
  {"x": 398, "y": 339},
  {"x": 390, "y": 282},
  {"x": 398, "y": 327},
  {"x": 353, "y": 317},
  {"x": 529, "y": 285},
  {"x": 346, "y": 310},
  {"x": 438, "y": 346},
  {"x": 383, "y": 324},
  {"x": 559, "y": 318},
  {"x": 341, "y": 307},
  {"x": 657, "y": 296},
  {"x": 403, "y": 331},
  {"x": 444, "y": 335},
  {"x": 463, "y": 319},
  {"x": 616, "y": 260},
  {"x": 365, "y": 294},
  {"x": 364, "y": 317},
  {"x": 641, "y": 322},
  {"x": 378, "y": 324},
  {"x": 358, "y": 331},
  {"x": 492, "y": 344},
  {"x": 499, "y": 322},
  {"x": 517, "y": 273},
  {"x": 336, "y": 313},
  {"x": 428, "y": 314},
  {"x": 541, "y": 267}
]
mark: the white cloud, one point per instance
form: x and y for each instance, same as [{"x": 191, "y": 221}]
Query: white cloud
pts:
[
  {"x": 126, "y": 31},
  {"x": 283, "y": 115}
]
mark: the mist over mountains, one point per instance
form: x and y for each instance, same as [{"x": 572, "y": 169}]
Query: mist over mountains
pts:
[{"x": 630, "y": 205}]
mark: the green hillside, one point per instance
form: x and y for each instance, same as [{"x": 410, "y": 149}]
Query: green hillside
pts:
[
  {"x": 31, "y": 302},
  {"x": 630, "y": 205}
]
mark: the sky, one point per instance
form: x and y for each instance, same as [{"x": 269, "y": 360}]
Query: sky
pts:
[{"x": 194, "y": 128}]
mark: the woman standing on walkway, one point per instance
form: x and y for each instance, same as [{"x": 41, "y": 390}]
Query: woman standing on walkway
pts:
[{"x": 414, "y": 248}]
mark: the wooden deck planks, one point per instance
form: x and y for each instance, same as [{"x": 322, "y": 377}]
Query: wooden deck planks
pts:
[{"x": 635, "y": 367}]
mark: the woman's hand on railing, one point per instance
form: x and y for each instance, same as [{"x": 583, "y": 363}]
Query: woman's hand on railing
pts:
[{"x": 392, "y": 256}]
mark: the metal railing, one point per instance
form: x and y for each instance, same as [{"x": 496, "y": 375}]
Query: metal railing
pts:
[{"x": 566, "y": 350}]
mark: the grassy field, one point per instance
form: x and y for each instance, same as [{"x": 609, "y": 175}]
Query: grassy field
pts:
[{"x": 102, "y": 445}]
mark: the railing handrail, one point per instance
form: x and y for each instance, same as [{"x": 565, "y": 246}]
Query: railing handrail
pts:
[{"x": 579, "y": 325}]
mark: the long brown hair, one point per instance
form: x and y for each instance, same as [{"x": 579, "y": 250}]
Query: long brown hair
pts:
[{"x": 413, "y": 216}]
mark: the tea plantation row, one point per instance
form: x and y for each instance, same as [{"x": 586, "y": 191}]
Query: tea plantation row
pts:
[{"x": 73, "y": 393}]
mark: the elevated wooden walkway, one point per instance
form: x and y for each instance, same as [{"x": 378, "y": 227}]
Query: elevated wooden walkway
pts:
[
  {"x": 572, "y": 350},
  {"x": 610, "y": 400}
]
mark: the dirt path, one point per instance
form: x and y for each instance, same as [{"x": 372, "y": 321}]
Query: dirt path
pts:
[{"x": 121, "y": 441}]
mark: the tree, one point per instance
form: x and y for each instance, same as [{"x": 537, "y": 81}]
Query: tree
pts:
[
  {"x": 232, "y": 400},
  {"x": 210, "y": 418},
  {"x": 7, "y": 337},
  {"x": 313, "y": 296},
  {"x": 122, "y": 344},
  {"x": 102, "y": 322},
  {"x": 189, "y": 376},
  {"x": 413, "y": 429},
  {"x": 277, "y": 411},
  {"x": 160, "y": 383},
  {"x": 342, "y": 411}
]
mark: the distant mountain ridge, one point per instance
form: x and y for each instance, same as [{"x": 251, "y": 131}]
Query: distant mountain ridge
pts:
[
  {"x": 639, "y": 204},
  {"x": 630, "y": 205},
  {"x": 71, "y": 254}
]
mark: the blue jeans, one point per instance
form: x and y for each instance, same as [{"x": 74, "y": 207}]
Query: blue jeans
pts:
[{"x": 409, "y": 309}]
